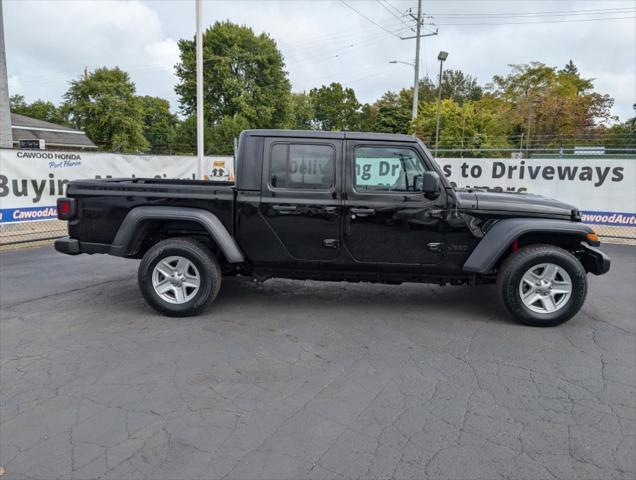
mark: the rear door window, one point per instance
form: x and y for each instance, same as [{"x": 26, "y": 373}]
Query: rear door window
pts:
[{"x": 302, "y": 166}]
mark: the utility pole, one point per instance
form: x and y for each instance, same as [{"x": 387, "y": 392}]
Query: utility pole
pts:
[
  {"x": 417, "y": 37},
  {"x": 199, "y": 57},
  {"x": 6, "y": 138},
  {"x": 416, "y": 81}
]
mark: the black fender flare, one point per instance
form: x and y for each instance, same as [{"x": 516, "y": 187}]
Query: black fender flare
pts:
[
  {"x": 501, "y": 235},
  {"x": 209, "y": 221}
]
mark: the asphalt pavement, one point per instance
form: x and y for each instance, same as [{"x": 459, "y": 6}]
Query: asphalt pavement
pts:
[{"x": 291, "y": 380}]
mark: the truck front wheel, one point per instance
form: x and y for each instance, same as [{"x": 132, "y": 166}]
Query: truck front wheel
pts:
[
  {"x": 542, "y": 285},
  {"x": 179, "y": 277}
]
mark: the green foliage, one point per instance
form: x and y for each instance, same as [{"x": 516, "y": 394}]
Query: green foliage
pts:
[
  {"x": 301, "y": 113},
  {"x": 221, "y": 137},
  {"x": 159, "y": 123},
  {"x": 39, "y": 109},
  {"x": 459, "y": 87},
  {"x": 393, "y": 113},
  {"x": 473, "y": 125},
  {"x": 244, "y": 75},
  {"x": 368, "y": 117},
  {"x": 552, "y": 104},
  {"x": 185, "y": 136},
  {"x": 335, "y": 107},
  {"x": 105, "y": 106},
  {"x": 621, "y": 135}
]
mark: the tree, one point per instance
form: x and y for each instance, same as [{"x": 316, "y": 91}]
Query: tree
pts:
[
  {"x": 554, "y": 106},
  {"x": 39, "y": 109},
  {"x": 393, "y": 113},
  {"x": 368, "y": 117},
  {"x": 244, "y": 76},
  {"x": 185, "y": 136},
  {"x": 621, "y": 135},
  {"x": 570, "y": 68},
  {"x": 456, "y": 85},
  {"x": 301, "y": 113},
  {"x": 159, "y": 123},
  {"x": 105, "y": 106},
  {"x": 17, "y": 104},
  {"x": 460, "y": 87},
  {"x": 335, "y": 107},
  {"x": 471, "y": 126},
  {"x": 222, "y": 135}
]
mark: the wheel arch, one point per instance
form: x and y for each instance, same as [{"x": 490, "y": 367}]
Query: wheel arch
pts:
[
  {"x": 498, "y": 240},
  {"x": 135, "y": 227}
]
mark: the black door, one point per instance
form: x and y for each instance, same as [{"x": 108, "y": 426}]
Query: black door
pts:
[
  {"x": 386, "y": 220},
  {"x": 300, "y": 199}
]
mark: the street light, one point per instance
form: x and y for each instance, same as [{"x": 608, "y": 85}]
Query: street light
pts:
[
  {"x": 442, "y": 56},
  {"x": 415, "y": 87},
  {"x": 400, "y": 61}
]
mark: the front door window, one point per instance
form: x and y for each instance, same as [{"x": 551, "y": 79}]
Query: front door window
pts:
[{"x": 383, "y": 169}]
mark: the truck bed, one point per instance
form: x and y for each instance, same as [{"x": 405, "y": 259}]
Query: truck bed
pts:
[
  {"x": 103, "y": 203},
  {"x": 146, "y": 186}
]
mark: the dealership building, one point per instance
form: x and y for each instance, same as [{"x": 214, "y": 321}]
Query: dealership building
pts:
[{"x": 32, "y": 133}]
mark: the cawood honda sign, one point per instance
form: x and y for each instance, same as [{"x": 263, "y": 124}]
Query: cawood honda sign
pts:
[{"x": 31, "y": 180}]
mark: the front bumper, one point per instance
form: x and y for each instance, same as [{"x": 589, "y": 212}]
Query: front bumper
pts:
[
  {"x": 67, "y": 245},
  {"x": 594, "y": 260}
]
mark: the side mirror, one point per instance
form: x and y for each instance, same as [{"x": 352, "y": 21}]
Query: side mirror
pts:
[{"x": 430, "y": 184}]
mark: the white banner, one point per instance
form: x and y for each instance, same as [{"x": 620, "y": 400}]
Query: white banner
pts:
[
  {"x": 604, "y": 189},
  {"x": 31, "y": 180}
]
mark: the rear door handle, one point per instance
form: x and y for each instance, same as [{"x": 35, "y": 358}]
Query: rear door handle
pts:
[
  {"x": 284, "y": 208},
  {"x": 362, "y": 212}
]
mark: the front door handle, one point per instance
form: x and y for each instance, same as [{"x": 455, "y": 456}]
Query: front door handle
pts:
[
  {"x": 284, "y": 208},
  {"x": 362, "y": 212}
]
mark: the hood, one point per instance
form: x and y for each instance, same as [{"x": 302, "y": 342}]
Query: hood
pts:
[{"x": 523, "y": 203}]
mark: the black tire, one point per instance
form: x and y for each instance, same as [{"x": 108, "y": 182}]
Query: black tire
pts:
[
  {"x": 517, "y": 264},
  {"x": 200, "y": 256}
]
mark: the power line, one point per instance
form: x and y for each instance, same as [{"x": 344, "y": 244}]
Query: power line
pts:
[
  {"x": 553, "y": 13},
  {"x": 340, "y": 52},
  {"x": 349, "y": 37},
  {"x": 539, "y": 22},
  {"x": 399, "y": 17},
  {"x": 369, "y": 20},
  {"x": 394, "y": 8}
]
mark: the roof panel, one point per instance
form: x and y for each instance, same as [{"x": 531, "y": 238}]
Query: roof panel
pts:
[
  {"x": 30, "y": 130},
  {"x": 18, "y": 120}
]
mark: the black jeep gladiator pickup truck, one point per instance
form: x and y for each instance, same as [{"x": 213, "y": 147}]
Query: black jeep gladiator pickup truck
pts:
[{"x": 338, "y": 206}]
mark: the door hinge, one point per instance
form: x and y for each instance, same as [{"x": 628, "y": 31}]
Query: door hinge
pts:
[
  {"x": 435, "y": 246},
  {"x": 330, "y": 243}
]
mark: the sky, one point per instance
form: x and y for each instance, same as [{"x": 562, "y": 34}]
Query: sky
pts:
[{"x": 49, "y": 43}]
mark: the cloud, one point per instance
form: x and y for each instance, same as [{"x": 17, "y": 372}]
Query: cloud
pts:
[
  {"x": 15, "y": 86},
  {"x": 55, "y": 41},
  {"x": 49, "y": 43}
]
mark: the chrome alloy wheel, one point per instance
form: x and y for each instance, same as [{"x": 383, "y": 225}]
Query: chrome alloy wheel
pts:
[
  {"x": 545, "y": 288},
  {"x": 176, "y": 279}
]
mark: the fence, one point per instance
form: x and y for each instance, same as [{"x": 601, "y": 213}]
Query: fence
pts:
[
  {"x": 30, "y": 233},
  {"x": 602, "y": 186}
]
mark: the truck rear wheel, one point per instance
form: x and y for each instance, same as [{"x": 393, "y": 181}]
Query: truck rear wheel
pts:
[
  {"x": 179, "y": 277},
  {"x": 542, "y": 285}
]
